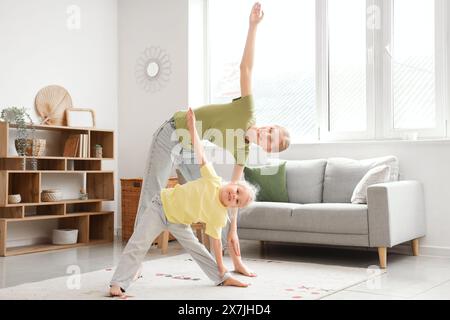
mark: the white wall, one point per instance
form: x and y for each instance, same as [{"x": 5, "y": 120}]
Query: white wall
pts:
[
  {"x": 37, "y": 49},
  {"x": 142, "y": 24}
]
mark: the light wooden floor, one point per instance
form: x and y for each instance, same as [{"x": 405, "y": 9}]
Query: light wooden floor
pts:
[{"x": 408, "y": 277}]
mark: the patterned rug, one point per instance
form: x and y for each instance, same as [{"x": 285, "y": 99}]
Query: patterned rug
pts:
[{"x": 179, "y": 278}]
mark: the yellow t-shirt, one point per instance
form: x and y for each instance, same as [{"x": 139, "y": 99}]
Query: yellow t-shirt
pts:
[{"x": 197, "y": 201}]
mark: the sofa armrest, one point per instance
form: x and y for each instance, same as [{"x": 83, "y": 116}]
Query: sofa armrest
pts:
[{"x": 396, "y": 213}]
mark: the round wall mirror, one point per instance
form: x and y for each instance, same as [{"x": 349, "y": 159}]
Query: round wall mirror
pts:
[{"x": 152, "y": 69}]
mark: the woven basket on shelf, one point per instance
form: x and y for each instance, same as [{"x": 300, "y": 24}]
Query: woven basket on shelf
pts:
[
  {"x": 51, "y": 195},
  {"x": 35, "y": 147},
  {"x": 37, "y": 144}
]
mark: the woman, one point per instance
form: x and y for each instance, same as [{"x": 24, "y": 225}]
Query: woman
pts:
[{"x": 217, "y": 122}]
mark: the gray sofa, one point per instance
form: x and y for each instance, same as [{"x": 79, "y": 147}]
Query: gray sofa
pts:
[{"x": 320, "y": 212}]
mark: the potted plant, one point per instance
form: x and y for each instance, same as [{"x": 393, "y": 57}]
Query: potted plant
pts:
[{"x": 22, "y": 120}]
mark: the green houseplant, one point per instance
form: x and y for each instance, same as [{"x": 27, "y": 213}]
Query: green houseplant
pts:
[{"x": 25, "y": 129}]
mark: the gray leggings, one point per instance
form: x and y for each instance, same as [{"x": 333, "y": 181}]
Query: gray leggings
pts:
[{"x": 152, "y": 222}]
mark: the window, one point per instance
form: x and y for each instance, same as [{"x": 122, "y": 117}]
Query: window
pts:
[
  {"x": 416, "y": 53},
  {"x": 323, "y": 64},
  {"x": 284, "y": 69},
  {"x": 347, "y": 65},
  {"x": 413, "y": 64}
]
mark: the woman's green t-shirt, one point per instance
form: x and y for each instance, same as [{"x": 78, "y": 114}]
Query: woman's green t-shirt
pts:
[{"x": 222, "y": 124}]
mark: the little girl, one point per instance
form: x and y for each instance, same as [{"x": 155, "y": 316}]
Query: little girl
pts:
[{"x": 203, "y": 200}]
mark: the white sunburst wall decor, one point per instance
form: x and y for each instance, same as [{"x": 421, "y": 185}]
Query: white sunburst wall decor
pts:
[{"x": 153, "y": 69}]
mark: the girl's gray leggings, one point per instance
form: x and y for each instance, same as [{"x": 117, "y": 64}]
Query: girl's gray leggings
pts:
[{"x": 151, "y": 223}]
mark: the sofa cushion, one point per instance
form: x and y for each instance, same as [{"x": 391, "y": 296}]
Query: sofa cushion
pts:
[
  {"x": 266, "y": 215},
  {"x": 375, "y": 175},
  {"x": 270, "y": 180},
  {"x": 341, "y": 218},
  {"x": 338, "y": 218},
  {"x": 305, "y": 180},
  {"x": 342, "y": 175}
]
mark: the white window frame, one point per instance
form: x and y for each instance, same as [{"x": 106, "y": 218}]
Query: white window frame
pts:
[
  {"x": 323, "y": 85},
  {"x": 387, "y": 130},
  {"x": 379, "y": 107}
]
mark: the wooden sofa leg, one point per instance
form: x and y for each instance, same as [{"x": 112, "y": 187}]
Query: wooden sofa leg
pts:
[
  {"x": 415, "y": 247},
  {"x": 164, "y": 240},
  {"x": 382, "y": 254}
]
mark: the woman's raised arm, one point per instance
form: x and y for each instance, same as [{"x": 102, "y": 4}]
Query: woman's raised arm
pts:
[{"x": 246, "y": 66}]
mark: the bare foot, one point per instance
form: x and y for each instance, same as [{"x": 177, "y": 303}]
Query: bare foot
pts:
[
  {"x": 242, "y": 269},
  {"x": 115, "y": 291},
  {"x": 232, "y": 282}
]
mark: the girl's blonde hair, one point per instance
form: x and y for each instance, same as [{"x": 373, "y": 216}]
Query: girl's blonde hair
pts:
[{"x": 252, "y": 190}]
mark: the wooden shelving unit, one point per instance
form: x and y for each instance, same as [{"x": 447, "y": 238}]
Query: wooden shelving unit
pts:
[{"x": 95, "y": 225}]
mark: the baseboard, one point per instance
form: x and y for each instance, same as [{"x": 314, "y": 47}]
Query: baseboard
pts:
[
  {"x": 26, "y": 242},
  {"x": 434, "y": 251},
  {"x": 431, "y": 251}
]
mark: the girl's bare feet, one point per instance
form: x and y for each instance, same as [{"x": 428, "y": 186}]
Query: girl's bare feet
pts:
[
  {"x": 115, "y": 291},
  {"x": 241, "y": 268},
  {"x": 232, "y": 282}
]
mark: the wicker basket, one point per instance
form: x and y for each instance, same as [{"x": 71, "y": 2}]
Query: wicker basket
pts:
[
  {"x": 51, "y": 195},
  {"x": 38, "y": 145},
  {"x": 131, "y": 192},
  {"x": 26, "y": 147}
]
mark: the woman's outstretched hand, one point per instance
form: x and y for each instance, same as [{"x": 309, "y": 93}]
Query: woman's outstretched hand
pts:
[{"x": 257, "y": 14}]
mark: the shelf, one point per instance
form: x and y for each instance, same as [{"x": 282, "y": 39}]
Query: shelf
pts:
[
  {"x": 61, "y": 216},
  {"x": 58, "y": 128},
  {"x": 56, "y": 158},
  {"x": 73, "y": 208},
  {"x": 84, "y": 165},
  {"x": 93, "y": 228},
  {"x": 45, "y": 164},
  {"x": 11, "y": 212},
  {"x": 101, "y": 227},
  {"x": 24, "y": 183},
  {"x": 56, "y": 171},
  {"x": 40, "y": 210},
  {"x": 100, "y": 184},
  {"x": 17, "y": 177},
  {"x": 104, "y": 138},
  {"x": 12, "y": 163},
  {"x": 55, "y": 202}
]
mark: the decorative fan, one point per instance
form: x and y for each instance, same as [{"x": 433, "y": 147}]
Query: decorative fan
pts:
[
  {"x": 153, "y": 69},
  {"x": 51, "y": 103}
]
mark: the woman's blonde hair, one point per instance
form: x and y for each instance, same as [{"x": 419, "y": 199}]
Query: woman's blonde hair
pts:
[{"x": 285, "y": 140}]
